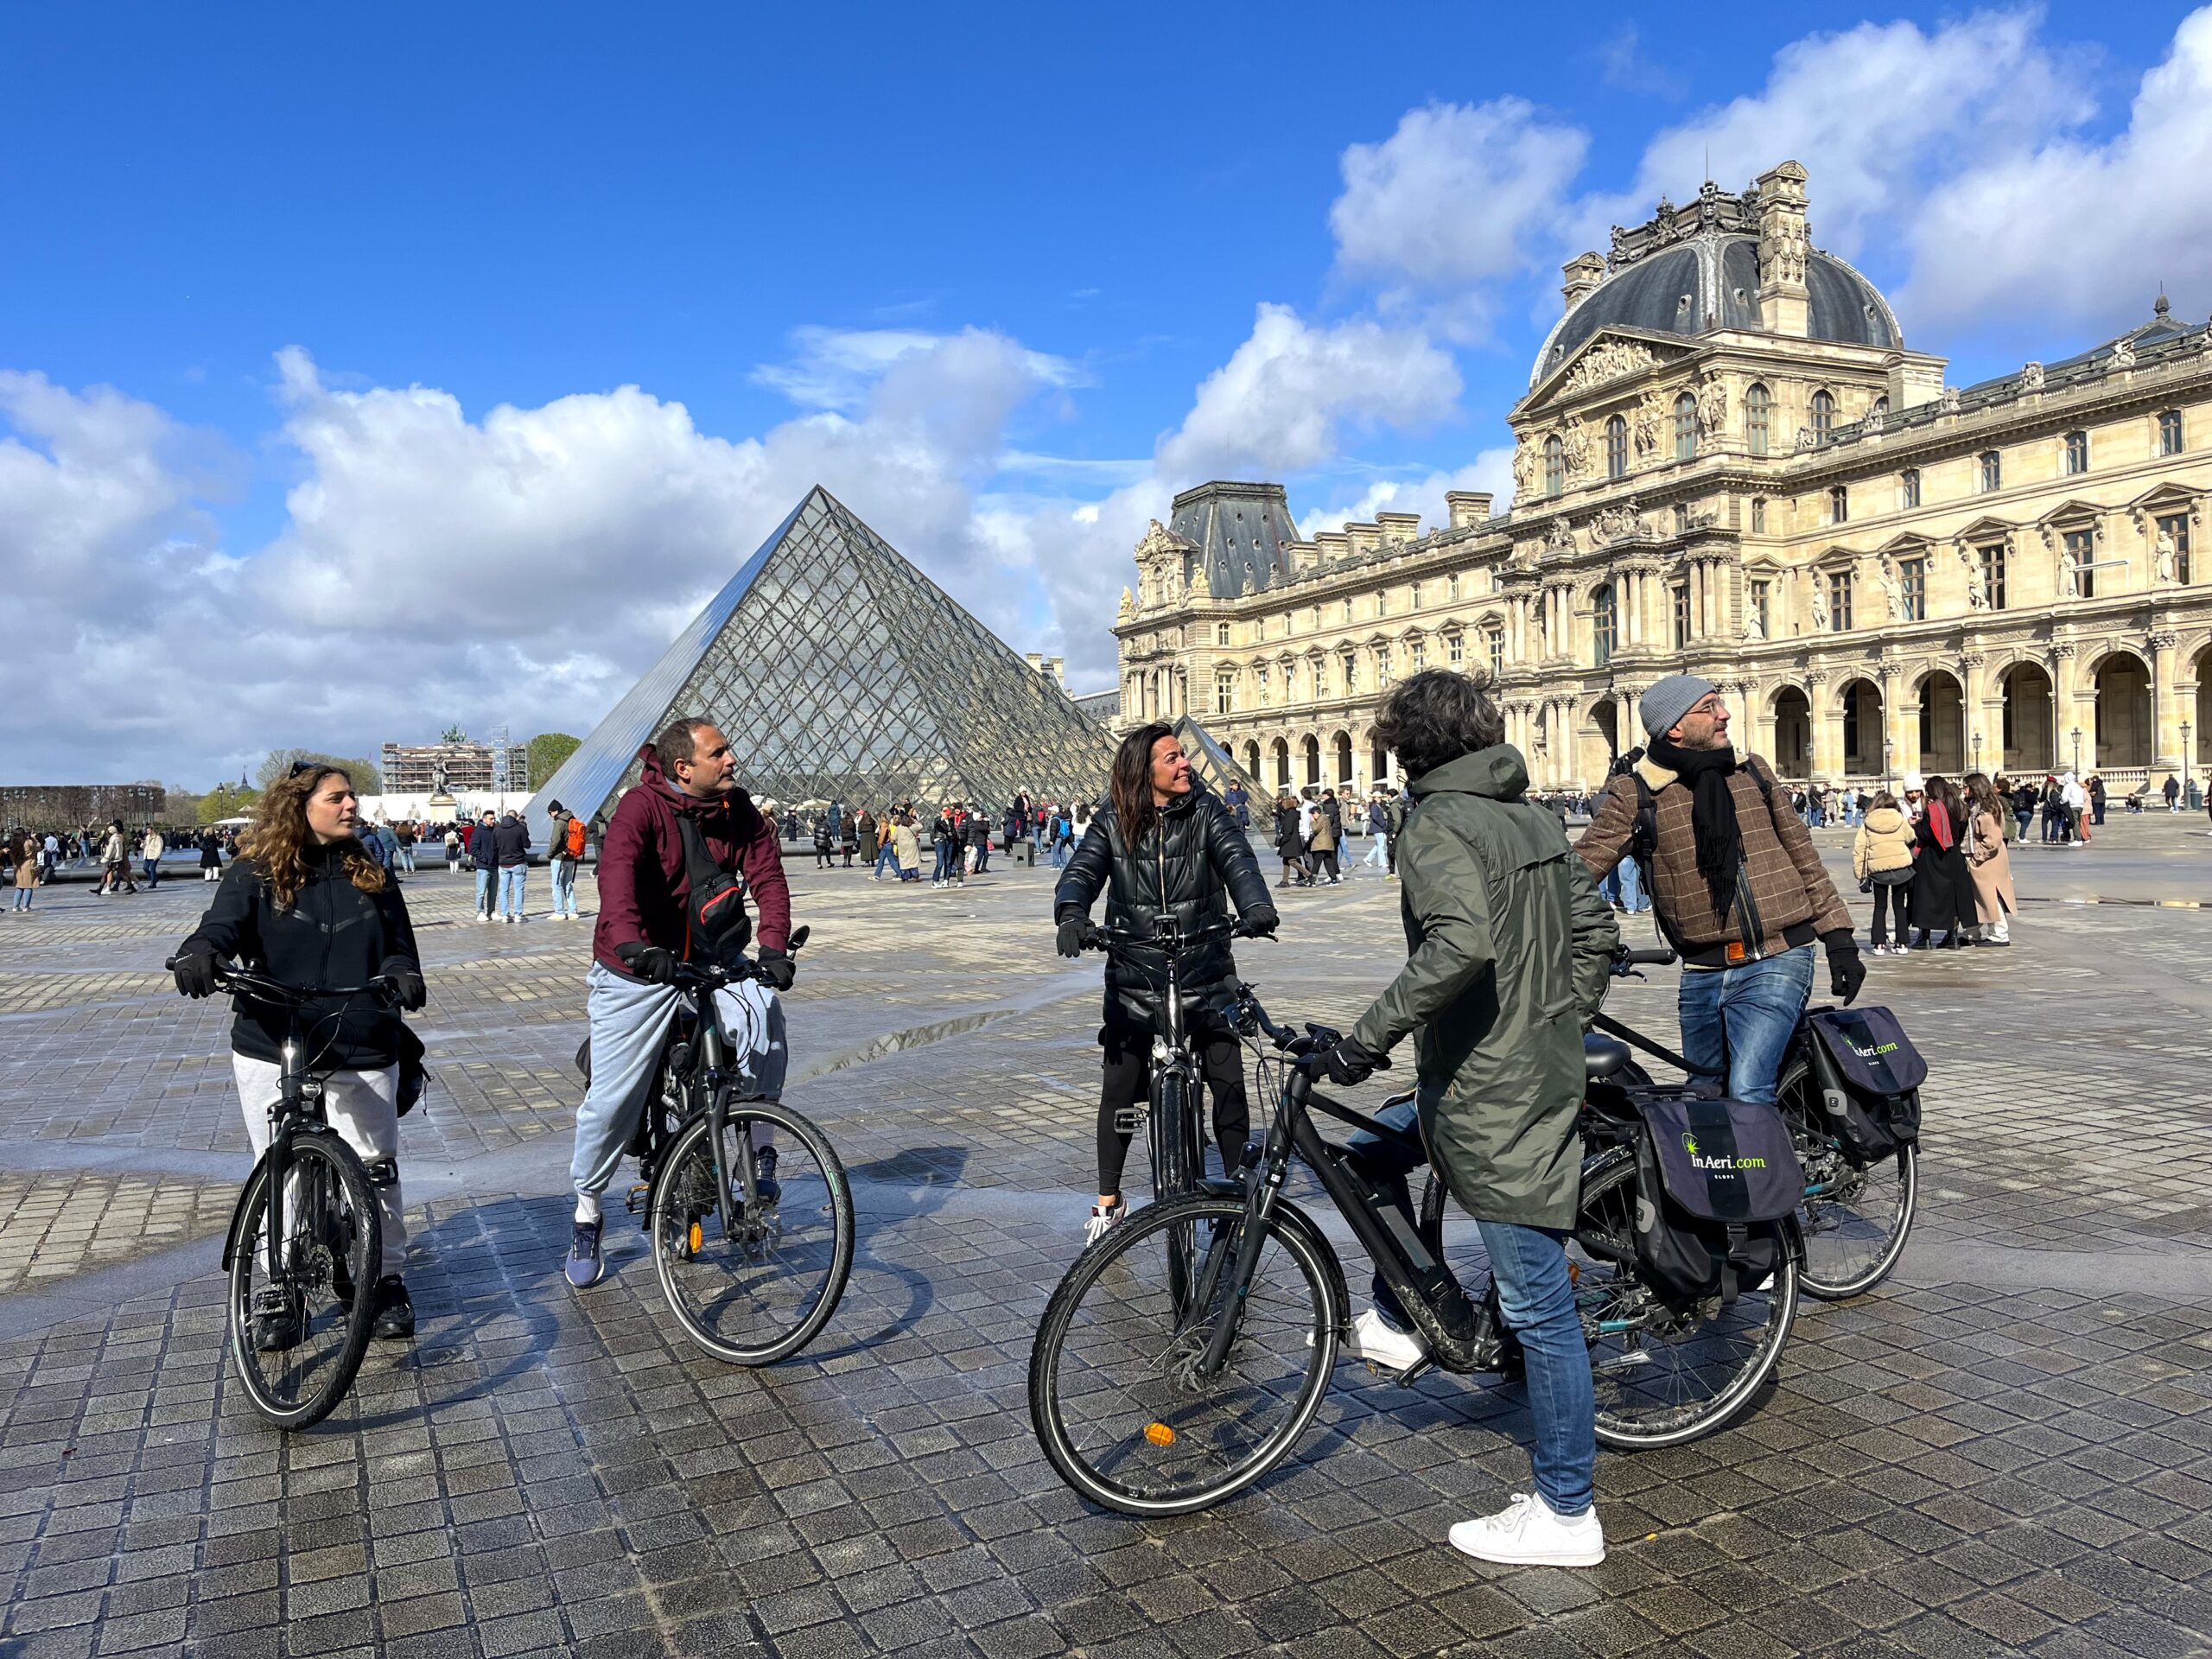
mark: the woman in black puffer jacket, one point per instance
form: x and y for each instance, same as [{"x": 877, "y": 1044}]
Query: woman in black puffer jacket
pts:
[
  {"x": 309, "y": 908},
  {"x": 1163, "y": 842}
]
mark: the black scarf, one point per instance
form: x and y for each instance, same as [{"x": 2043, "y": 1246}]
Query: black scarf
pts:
[{"x": 1712, "y": 812}]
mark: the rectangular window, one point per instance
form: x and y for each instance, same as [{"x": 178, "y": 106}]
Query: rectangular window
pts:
[
  {"x": 1839, "y": 602},
  {"x": 1992, "y": 577},
  {"x": 1497, "y": 652},
  {"x": 1382, "y": 664},
  {"x": 2080, "y": 561},
  {"x": 1912, "y": 578},
  {"x": 1760, "y": 609},
  {"x": 1260, "y": 683},
  {"x": 1225, "y": 695},
  {"x": 1317, "y": 614},
  {"x": 2077, "y": 453},
  {"x": 1350, "y": 661},
  {"x": 1992, "y": 472},
  {"x": 1910, "y": 494},
  {"x": 2170, "y": 432},
  {"x": 1381, "y": 602},
  {"x": 1413, "y": 602},
  {"x": 1452, "y": 586},
  {"x": 2176, "y": 529},
  {"x": 1456, "y": 646},
  {"x": 1839, "y": 506},
  {"x": 1420, "y": 650},
  {"x": 1680, "y": 592},
  {"x": 1759, "y": 515}
]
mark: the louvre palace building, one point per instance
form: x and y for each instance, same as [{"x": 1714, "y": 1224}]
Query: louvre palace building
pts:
[{"x": 1730, "y": 462}]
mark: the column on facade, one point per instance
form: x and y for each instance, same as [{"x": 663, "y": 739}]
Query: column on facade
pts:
[
  {"x": 1828, "y": 728},
  {"x": 2166, "y": 711},
  {"x": 1903, "y": 733},
  {"x": 2065, "y": 717},
  {"x": 1627, "y": 727}
]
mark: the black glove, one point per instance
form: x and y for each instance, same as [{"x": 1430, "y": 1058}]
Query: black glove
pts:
[
  {"x": 1351, "y": 1063},
  {"x": 408, "y": 985},
  {"x": 778, "y": 969},
  {"x": 195, "y": 972},
  {"x": 649, "y": 963},
  {"x": 1070, "y": 938},
  {"x": 1845, "y": 972},
  {"x": 1260, "y": 921}
]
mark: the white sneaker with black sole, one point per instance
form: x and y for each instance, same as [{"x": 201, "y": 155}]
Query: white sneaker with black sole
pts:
[
  {"x": 1376, "y": 1340},
  {"x": 1527, "y": 1533}
]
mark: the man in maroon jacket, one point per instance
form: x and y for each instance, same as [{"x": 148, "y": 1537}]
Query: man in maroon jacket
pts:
[{"x": 641, "y": 936}]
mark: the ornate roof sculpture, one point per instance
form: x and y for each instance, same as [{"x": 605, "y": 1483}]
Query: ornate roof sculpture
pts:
[
  {"x": 1695, "y": 271},
  {"x": 839, "y": 672}
]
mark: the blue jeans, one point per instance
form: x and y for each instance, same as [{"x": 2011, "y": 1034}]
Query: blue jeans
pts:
[
  {"x": 1378, "y": 851},
  {"x": 1742, "y": 1018},
  {"x": 564, "y": 885},
  {"x": 886, "y": 855},
  {"x": 510, "y": 879},
  {"x": 487, "y": 888},
  {"x": 1537, "y": 1298}
]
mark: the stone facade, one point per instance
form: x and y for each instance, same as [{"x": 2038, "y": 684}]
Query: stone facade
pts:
[{"x": 1885, "y": 572}]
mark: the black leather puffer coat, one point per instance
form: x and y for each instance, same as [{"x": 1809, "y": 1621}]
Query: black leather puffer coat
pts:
[{"x": 1195, "y": 860}]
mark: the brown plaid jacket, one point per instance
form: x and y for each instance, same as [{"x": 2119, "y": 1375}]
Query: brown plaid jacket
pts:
[{"x": 1796, "y": 901}]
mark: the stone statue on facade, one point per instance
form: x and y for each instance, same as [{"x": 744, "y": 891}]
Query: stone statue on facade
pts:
[
  {"x": 1950, "y": 400},
  {"x": 1819, "y": 605},
  {"x": 1129, "y": 605},
  {"x": 1559, "y": 539},
  {"x": 1619, "y": 523},
  {"x": 2031, "y": 377},
  {"x": 1977, "y": 584},
  {"x": 2123, "y": 354},
  {"x": 438, "y": 791},
  {"x": 1892, "y": 589},
  {"x": 1648, "y": 415},
  {"x": 1607, "y": 360},
  {"x": 2165, "y": 554},
  {"x": 1574, "y": 446},
  {"x": 1754, "y": 630},
  {"x": 1524, "y": 465},
  {"x": 1712, "y": 404}
]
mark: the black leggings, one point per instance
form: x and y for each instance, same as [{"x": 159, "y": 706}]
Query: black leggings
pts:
[
  {"x": 1125, "y": 1083},
  {"x": 1896, "y": 897}
]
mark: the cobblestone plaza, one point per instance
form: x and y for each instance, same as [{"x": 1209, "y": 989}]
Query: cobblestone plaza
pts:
[{"x": 2007, "y": 1449}]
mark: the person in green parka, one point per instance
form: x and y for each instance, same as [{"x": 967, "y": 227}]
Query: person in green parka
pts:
[{"x": 1509, "y": 947}]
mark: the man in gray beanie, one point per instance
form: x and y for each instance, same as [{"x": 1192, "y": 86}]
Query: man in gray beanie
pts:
[{"x": 1735, "y": 882}]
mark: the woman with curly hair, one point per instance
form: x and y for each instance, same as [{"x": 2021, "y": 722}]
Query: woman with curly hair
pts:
[{"x": 307, "y": 904}]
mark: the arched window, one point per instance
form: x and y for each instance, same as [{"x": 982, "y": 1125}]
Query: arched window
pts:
[
  {"x": 1604, "y": 621},
  {"x": 1616, "y": 448},
  {"x": 1554, "y": 466},
  {"x": 1221, "y": 635},
  {"x": 1839, "y": 506},
  {"x": 1881, "y": 406},
  {"x": 1823, "y": 416},
  {"x": 1686, "y": 428},
  {"x": 1992, "y": 471},
  {"x": 1758, "y": 418},
  {"x": 1908, "y": 487},
  {"x": 2077, "y": 453},
  {"x": 2170, "y": 432}
]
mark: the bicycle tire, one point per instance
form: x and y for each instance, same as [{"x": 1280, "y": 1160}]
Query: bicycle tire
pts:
[
  {"x": 1156, "y": 1391},
  {"x": 1602, "y": 1238},
  {"x": 318, "y": 1156},
  {"x": 680, "y": 1207},
  {"x": 1167, "y": 1144},
  {"x": 1823, "y": 1276}
]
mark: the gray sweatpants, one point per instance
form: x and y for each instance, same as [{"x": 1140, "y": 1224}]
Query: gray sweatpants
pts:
[{"x": 630, "y": 1022}]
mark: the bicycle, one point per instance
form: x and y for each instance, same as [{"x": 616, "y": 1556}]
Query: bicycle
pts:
[
  {"x": 752, "y": 1236},
  {"x": 1855, "y": 1219},
  {"x": 306, "y": 1235},
  {"x": 1153, "y": 1402}
]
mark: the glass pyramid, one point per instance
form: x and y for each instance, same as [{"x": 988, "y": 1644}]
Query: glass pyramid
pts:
[{"x": 840, "y": 672}]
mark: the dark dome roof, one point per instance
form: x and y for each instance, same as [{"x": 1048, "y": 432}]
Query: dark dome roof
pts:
[{"x": 1711, "y": 282}]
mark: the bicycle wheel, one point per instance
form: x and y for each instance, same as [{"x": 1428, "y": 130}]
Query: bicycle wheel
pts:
[
  {"x": 763, "y": 1290},
  {"x": 1856, "y": 1221},
  {"x": 1115, "y": 1392},
  {"x": 297, "y": 1336},
  {"x": 1661, "y": 1379}
]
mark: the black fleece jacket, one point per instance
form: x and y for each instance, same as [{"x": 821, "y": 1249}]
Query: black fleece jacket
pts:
[{"x": 334, "y": 935}]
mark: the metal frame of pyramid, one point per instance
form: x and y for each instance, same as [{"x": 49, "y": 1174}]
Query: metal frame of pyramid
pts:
[
  {"x": 839, "y": 672},
  {"x": 1210, "y": 758}
]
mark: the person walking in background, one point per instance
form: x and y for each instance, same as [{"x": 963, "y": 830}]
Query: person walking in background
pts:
[
  {"x": 512, "y": 839},
  {"x": 1378, "y": 835},
  {"x": 2172, "y": 792},
  {"x": 823, "y": 837},
  {"x": 1881, "y": 857},
  {"x": 2075, "y": 800},
  {"x": 452, "y": 849},
  {"x": 25, "y": 851},
  {"x": 1290, "y": 843},
  {"x": 1321, "y": 845},
  {"x": 906, "y": 845},
  {"x": 211, "y": 855},
  {"x": 151, "y": 850},
  {"x": 1989, "y": 861},
  {"x": 977, "y": 828},
  {"x": 564, "y": 847},
  {"x": 2096, "y": 792},
  {"x": 483, "y": 854},
  {"x": 1942, "y": 890},
  {"x": 115, "y": 862}
]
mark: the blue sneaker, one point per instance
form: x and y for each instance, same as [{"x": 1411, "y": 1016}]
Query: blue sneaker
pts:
[
  {"x": 763, "y": 1175},
  {"x": 585, "y": 1264}
]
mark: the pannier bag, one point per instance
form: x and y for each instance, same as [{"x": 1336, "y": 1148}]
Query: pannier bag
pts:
[
  {"x": 1717, "y": 1179},
  {"x": 1867, "y": 1075}
]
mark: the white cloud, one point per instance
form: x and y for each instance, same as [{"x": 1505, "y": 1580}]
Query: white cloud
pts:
[
  {"x": 1872, "y": 112},
  {"x": 1457, "y": 194},
  {"x": 2079, "y": 231},
  {"x": 1287, "y": 395},
  {"x": 1491, "y": 470},
  {"x": 838, "y": 368}
]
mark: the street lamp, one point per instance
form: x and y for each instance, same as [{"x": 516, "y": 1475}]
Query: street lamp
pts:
[
  {"x": 1977, "y": 751},
  {"x": 2185, "y": 757},
  {"x": 2077, "y": 751},
  {"x": 1887, "y": 745}
]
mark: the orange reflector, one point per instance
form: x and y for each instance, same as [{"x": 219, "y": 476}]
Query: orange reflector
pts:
[
  {"x": 1575, "y": 1272},
  {"x": 698, "y": 1238},
  {"x": 1159, "y": 1433}
]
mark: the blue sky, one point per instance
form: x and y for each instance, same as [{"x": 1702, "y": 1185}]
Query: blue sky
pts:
[{"x": 996, "y": 276}]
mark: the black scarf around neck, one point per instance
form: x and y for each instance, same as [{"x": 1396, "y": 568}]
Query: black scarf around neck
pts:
[{"x": 1713, "y": 812}]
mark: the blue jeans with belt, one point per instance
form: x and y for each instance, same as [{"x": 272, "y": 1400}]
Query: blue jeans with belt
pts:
[{"x": 1741, "y": 1019}]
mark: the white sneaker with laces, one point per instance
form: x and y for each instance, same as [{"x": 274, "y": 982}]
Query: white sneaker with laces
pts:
[
  {"x": 1526, "y": 1533},
  {"x": 1101, "y": 1217},
  {"x": 1374, "y": 1338}
]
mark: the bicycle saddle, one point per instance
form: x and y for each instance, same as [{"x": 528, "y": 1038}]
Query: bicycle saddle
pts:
[{"x": 1602, "y": 1056}]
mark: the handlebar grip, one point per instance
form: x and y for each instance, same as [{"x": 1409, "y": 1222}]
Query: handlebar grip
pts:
[{"x": 1658, "y": 956}]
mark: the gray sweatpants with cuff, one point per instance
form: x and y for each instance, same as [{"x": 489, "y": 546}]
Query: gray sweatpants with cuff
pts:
[{"x": 630, "y": 1022}]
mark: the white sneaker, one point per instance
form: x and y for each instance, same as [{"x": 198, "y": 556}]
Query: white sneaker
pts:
[
  {"x": 1103, "y": 1219},
  {"x": 1525, "y": 1533},
  {"x": 1375, "y": 1339}
]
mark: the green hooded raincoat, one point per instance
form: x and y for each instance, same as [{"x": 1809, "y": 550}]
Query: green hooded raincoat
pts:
[{"x": 1509, "y": 946}]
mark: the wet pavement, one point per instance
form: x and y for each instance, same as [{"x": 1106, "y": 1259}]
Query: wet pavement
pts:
[{"x": 2007, "y": 1449}]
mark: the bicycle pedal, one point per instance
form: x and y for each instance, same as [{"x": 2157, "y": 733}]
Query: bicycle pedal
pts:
[
  {"x": 1402, "y": 1379},
  {"x": 633, "y": 1201},
  {"x": 1128, "y": 1121}
]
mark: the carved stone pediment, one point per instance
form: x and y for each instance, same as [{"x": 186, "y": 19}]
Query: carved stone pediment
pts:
[
  {"x": 1607, "y": 356},
  {"x": 1158, "y": 539}
]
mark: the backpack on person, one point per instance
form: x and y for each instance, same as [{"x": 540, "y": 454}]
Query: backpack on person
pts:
[
  {"x": 574, "y": 839},
  {"x": 1867, "y": 1076},
  {"x": 1717, "y": 1182},
  {"x": 714, "y": 915}
]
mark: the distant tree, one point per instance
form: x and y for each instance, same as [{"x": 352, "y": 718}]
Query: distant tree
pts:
[
  {"x": 367, "y": 778},
  {"x": 547, "y": 751},
  {"x": 225, "y": 801},
  {"x": 179, "y": 805}
]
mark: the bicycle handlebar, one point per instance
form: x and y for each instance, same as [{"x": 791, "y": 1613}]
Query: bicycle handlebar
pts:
[
  {"x": 1112, "y": 939},
  {"x": 1626, "y": 961},
  {"x": 241, "y": 981}
]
